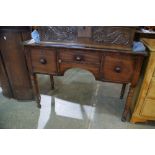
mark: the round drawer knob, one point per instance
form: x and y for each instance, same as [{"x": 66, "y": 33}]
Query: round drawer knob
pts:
[
  {"x": 78, "y": 58},
  {"x": 117, "y": 69},
  {"x": 59, "y": 61},
  {"x": 43, "y": 61}
]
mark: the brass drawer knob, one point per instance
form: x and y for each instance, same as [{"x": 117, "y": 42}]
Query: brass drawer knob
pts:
[
  {"x": 59, "y": 61},
  {"x": 78, "y": 58},
  {"x": 117, "y": 69},
  {"x": 43, "y": 61}
]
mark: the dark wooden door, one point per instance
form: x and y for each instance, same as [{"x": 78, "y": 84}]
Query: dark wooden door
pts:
[
  {"x": 14, "y": 59},
  {"x": 4, "y": 80}
]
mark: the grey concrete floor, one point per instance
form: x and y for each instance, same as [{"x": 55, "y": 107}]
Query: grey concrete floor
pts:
[{"x": 77, "y": 102}]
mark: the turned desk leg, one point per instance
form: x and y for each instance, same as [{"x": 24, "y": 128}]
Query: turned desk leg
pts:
[
  {"x": 52, "y": 82},
  {"x": 123, "y": 91},
  {"x": 36, "y": 89},
  {"x": 128, "y": 103}
]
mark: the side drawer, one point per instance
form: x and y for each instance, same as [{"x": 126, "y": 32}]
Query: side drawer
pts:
[
  {"x": 118, "y": 67},
  {"x": 43, "y": 60}
]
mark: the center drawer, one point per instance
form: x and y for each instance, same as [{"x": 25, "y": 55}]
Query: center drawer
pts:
[
  {"x": 78, "y": 56},
  {"x": 71, "y": 58}
]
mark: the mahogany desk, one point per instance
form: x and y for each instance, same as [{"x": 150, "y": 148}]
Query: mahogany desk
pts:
[
  {"x": 104, "y": 51},
  {"x": 112, "y": 65}
]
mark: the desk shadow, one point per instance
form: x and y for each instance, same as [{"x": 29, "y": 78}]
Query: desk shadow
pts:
[
  {"x": 75, "y": 95},
  {"x": 71, "y": 104}
]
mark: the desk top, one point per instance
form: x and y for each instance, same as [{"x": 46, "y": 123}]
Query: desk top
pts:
[{"x": 80, "y": 45}]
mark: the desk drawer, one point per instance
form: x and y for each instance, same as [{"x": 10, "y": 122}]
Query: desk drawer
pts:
[
  {"x": 43, "y": 60},
  {"x": 79, "y": 59},
  {"x": 118, "y": 67},
  {"x": 78, "y": 56}
]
